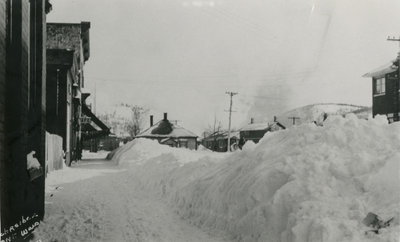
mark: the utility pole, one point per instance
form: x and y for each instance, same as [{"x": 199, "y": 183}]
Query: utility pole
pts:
[
  {"x": 294, "y": 119},
  {"x": 231, "y": 94},
  {"x": 396, "y": 114}
]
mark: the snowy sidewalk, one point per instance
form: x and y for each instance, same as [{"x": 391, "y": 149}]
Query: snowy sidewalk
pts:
[{"x": 104, "y": 206}]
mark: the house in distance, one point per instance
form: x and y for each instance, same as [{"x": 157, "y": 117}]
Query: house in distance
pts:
[
  {"x": 170, "y": 133},
  {"x": 218, "y": 141},
  {"x": 255, "y": 131},
  {"x": 386, "y": 90}
]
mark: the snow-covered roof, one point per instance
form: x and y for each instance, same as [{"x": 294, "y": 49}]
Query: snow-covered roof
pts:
[
  {"x": 261, "y": 126},
  {"x": 234, "y": 134},
  {"x": 383, "y": 70},
  {"x": 222, "y": 135},
  {"x": 177, "y": 131},
  {"x": 166, "y": 139},
  {"x": 255, "y": 126}
]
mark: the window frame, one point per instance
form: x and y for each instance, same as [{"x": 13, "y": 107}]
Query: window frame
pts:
[{"x": 380, "y": 86}]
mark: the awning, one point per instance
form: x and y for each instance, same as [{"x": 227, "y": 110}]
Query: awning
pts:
[{"x": 98, "y": 133}]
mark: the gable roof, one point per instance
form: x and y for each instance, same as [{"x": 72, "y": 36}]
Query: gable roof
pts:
[{"x": 157, "y": 131}]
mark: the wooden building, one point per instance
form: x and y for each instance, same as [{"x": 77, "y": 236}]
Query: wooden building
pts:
[
  {"x": 255, "y": 131},
  {"x": 386, "y": 90},
  {"x": 218, "y": 141},
  {"x": 62, "y": 114},
  {"x": 169, "y": 133},
  {"x": 22, "y": 114},
  {"x": 68, "y": 49}
]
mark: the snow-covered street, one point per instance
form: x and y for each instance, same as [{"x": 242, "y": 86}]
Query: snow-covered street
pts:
[
  {"x": 200, "y": 121},
  {"x": 106, "y": 207},
  {"x": 304, "y": 184}
]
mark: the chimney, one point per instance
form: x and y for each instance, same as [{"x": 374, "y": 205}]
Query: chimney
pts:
[
  {"x": 274, "y": 118},
  {"x": 165, "y": 116},
  {"x": 252, "y": 121},
  {"x": 151, "y": 120}
]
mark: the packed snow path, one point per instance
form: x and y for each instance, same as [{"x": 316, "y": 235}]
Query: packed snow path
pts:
[{"x": 107, "y": 207}]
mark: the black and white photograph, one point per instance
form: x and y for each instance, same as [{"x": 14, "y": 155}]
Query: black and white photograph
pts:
[{"x": 200, "y": 120}]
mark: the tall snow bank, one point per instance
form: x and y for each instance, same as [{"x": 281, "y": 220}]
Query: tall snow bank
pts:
[
  {"x": 307, "y": 183},
  {"x": 141, "y": 150}
]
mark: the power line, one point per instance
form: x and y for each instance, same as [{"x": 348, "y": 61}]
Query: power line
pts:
[{"x": 183, "y": 80}]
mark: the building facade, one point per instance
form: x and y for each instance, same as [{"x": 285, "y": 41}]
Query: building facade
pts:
[
  {"x": 67, "y": 51},
  {"x": 386, "y": 91},
  {"x": 22, "y": 114}
]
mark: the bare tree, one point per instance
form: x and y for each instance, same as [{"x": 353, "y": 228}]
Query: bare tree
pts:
[
  {"x": 214, "y": 130},
  {"x": 136, "y": 124}
]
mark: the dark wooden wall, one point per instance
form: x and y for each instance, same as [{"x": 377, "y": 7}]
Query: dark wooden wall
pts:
[
  {"x": 23, "y": 111},
  {"x": 56, "y": 97},
  {"x": 3, "y": 34},
  {"x": 254, "y": 135},
  {"x": 389, "y": 102}
]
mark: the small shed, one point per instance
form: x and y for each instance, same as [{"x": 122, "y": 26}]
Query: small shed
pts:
[{"x": 386, "y": 90}]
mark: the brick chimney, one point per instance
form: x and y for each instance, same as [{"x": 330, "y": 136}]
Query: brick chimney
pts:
[
  {"x": 252, "y": 121},
  {"x": 151, "y": 120},
  {"x": 165, "y": 116},
  {"x": 274, "y": 118}
]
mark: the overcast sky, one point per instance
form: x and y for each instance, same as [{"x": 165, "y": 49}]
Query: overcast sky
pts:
[{"x": 181, "y": 56}]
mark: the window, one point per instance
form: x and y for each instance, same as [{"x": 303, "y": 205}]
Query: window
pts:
[{"x": 380, "y": 87}]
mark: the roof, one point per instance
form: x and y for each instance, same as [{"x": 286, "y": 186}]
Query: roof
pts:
[
  {"x": 222, "y": 135},
  {"x": 383, "y": 70},
  {"x": 234, "y": 134},
  {"x": 261, "y": 126},
  {"x": 166, "y": 139},
  {"x": 177, "y": 131},
  {"x": 255, "y": 126}
]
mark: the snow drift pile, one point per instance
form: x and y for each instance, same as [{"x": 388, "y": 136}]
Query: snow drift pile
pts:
[
  {"x": 142, "y": 150},
  {"x": 306, "y": 183}
]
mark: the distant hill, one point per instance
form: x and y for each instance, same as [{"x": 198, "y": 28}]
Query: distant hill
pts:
[{"x": 317, "y": 112}]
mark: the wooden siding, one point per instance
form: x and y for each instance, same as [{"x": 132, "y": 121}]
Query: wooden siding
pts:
[
  {"x": 24, "y": 109},
  {"x": 388, "y": 102},
  {"x": 254, "y": 135},
  {"x": 3, "y": 34}
]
